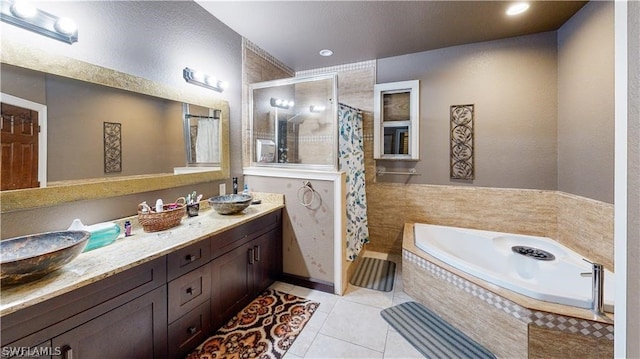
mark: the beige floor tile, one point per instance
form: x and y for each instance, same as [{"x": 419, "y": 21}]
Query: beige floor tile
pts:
[
  {"x": 308, "y": 334},
  {"x": 327, "y": 300},
  {"x": 399, "y": 347},
  {"x": 325, "y": 347},
  {"x": 366, "y": 296},
  {"x": 282, "y": 287},
  {"x": 289, "y": 355},
  {"x": 358, "y": 324}
]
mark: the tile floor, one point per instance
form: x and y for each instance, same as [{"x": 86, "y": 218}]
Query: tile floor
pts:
[{"x": 350, "y": 326}]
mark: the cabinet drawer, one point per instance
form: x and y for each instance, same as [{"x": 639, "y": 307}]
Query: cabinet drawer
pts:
[
  {"x": 188, "y": 291},
  {"x": 188, "y": 258},
  {"x": 189, "y": 331},
  {"x": 227, "y": 241}
]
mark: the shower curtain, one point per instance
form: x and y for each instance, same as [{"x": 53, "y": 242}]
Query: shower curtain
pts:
[
  {"x": 207, "y": 148},
  {"x": 351, "y": 161}
]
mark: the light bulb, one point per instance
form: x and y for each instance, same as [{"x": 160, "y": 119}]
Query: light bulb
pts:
[
  {"x": 66, "y": 26},
  {"x": 23, "y": 9}
]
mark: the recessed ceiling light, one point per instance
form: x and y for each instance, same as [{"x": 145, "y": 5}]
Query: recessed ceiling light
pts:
[
  {"x": 517, "y": 8},
  {"x": 326, "y": 52}
]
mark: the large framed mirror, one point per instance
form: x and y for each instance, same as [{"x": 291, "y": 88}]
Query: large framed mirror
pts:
[{"x": 151, "y": 125}]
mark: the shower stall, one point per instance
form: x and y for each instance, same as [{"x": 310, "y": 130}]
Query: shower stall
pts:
[{"x": 294, "y": 145}]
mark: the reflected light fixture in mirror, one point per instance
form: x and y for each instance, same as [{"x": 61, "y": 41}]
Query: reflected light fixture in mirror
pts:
[
  {"x": 279, "y": 103},
  {"x": 204, "y": 80},
  {"x": 23, "y": 14}
]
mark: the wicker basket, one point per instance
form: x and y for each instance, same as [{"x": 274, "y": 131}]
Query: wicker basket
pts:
[{"x": 153, "y": 221}]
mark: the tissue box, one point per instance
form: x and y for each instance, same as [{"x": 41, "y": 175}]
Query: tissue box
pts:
[{"x": 102, "y": 234}]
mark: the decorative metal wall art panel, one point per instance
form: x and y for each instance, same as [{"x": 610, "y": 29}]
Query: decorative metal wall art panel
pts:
[
  {"x": 461, "y": 152},
  {"x": 112, "y": 147}
]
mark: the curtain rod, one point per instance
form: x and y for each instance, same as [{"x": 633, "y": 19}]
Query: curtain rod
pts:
[
  {"x": 198, "y": 116},
  {"x": 351, "y": 107}
]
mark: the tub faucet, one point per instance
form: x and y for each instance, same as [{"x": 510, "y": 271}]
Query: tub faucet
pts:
[{"x": 597, "y": 287}]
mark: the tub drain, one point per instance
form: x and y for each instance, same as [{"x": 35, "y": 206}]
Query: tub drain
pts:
[{"x": 535, "y": 253}]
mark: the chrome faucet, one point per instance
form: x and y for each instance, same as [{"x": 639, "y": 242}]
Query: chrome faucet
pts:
[{"x": 597, "y": 287}]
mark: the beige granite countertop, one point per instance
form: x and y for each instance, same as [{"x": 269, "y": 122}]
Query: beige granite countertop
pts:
[{"x": 128, "y": 252}]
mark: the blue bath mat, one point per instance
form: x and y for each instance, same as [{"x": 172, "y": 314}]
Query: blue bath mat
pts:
[
  {"x": 431, "y": 335},
  {"x": 375, "y": 274}
]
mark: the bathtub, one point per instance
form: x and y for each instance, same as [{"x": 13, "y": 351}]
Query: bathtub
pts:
[{"x": 554, "y": 277}]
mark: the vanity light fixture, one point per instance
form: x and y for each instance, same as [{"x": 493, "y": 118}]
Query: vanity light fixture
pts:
[
  {"x": 279, "y": 103},
  {"x": 23, "y": 14},
  {"x": 204, "y": 80},
  {"x": 517, "y": 8},
  {"x": 316, "y": 109}
]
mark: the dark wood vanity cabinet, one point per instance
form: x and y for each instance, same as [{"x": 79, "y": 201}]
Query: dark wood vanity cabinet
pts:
[
  {"x": 159, "y": 309},
  {"x": 133, "y": 330},
  {"x": 128, "y": 308},
  {"x": 240, "y": 274}
]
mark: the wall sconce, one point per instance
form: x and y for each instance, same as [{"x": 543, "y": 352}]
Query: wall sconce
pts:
[
  {"x": 276, "y": 102},
  {"x": 316, "y": 109},
  {"x": 23, "y": 14},
  {"x": 204, "y": 80}
]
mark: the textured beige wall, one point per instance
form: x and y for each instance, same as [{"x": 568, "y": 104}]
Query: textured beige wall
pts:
[
  {"x": 586, "y": 226},
  {"x": 585, "y": 103},
  {"x": 582, "y": 224},
  {"x": 633, "y": 185},
  {"x": 307, "y": 233}
]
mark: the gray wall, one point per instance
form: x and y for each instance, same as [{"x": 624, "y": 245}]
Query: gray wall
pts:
[
  {"x": 543, "y": 107},
  {"x": 585, "y": 103},
  {"x": 512, "y": 84}
]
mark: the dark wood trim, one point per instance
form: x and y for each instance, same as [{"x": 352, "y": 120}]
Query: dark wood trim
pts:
[{"x": 308, "y": 282}]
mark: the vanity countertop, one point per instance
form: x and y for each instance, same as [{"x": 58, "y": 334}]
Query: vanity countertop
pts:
[{"x": 128, "y": 252}]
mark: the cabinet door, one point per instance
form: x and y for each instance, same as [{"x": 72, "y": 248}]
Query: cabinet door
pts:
[
  {"x": 231, "y": 287},
  {"x": 265, "y": 263},
  {"x": 137, "y": 329},
  {"x": 22, "y": 349}
]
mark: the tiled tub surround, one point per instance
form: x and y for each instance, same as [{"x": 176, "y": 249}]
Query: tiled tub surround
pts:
[
  {"x": 128, "y": 252},
  {"x": 509, "y": 324},
  {"x": 582, "y": 224}
]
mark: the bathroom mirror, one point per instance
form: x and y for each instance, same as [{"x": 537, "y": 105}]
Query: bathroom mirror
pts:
[
  {"x": 168, "y": 103},
  {"x": 202, "y": 135},
  {"x": 293, "y": 123},
  {"x": 396, "y": 121}
]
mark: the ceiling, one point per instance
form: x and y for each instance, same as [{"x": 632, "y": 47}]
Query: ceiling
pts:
[{"x": 295, "y": 31}]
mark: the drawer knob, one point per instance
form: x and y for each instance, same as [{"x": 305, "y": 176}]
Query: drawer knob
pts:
[
  {"x": 190, "y": 257},
  {"x": 192, "y": 330},
  {"x": 190, "y": 291}
]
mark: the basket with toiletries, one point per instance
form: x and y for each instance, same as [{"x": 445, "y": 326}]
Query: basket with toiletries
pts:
[{"x": 161, "y": 216}]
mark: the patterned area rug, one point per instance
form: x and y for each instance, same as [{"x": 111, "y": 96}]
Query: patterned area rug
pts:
[
  {"x": 265, "y": 329},
  {"x": 373, "y": 273}
]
